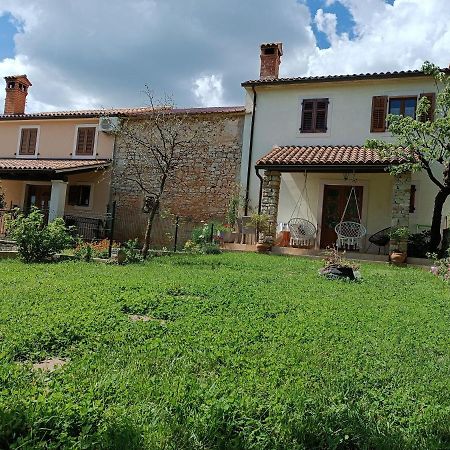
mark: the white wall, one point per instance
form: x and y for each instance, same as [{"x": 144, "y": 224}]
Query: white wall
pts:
[{"x": 278, "y": 117}]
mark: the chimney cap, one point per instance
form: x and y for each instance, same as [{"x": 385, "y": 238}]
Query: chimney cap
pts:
[
  {"x": 22, "y": 78},
  {"x": 278, "y": 45}
]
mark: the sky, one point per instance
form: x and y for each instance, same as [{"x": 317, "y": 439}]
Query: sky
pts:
[{"x": 83, "y": 54}]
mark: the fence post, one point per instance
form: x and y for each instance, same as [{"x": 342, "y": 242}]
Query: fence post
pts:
[
  {"x": 111, "y": 230},
  {"x": 212, "y": 232},
  {"x": 175, "y": 241}
]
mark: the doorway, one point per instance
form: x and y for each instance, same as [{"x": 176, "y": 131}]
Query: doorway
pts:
[
  {"x": 334, "y": 200},
  {"x": 38, "y": 195}
]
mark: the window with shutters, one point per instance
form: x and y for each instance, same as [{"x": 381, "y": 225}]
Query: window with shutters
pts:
[
  {"x": 378, "y": 120},
  {"x": 314, "y": 115},
  {"x": 28, "y": 141},
  {"x": 85, "y": 145},
  {"x": 79, "y": 195},
  {"x": 403, "y": 106}
]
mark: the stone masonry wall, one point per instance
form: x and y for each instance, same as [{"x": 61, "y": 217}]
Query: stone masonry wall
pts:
[
  {"x": 200, "y": 188},
  {"x": 269, "y": 202},
  {"x": 401, "y": 189}
]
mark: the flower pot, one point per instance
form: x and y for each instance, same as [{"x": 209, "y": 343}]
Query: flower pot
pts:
[
  {"x": 397, "y": 257},
  {"x": 263, "y": 247}
]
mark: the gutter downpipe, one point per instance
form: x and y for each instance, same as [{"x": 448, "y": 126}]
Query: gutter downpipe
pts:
[{"x": 250, "y": 153}]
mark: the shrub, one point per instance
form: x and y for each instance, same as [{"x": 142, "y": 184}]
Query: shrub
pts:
[
  {"x": 211, "y": 249},
  {"x": 2, "y": 198},
  {"x": 35, "y": 240},
  {"x": 441, "y": 266},
  {"x": 83, "y": 251},
  {"x": 132, "y": 252}
]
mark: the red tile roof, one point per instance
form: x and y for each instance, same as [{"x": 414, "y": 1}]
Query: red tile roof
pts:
[
  {"x": 341, "y": 155},
  {"x": 122, "y": 112},
  {"x": 348, "y": 77},
  {"x": 52, "y": 165}
]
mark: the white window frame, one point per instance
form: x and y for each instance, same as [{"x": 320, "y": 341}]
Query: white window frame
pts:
[
  {"x": 75, "y": 140},
  {"x": 19, "y": 140},
  {"x": 91, "y": 196}
]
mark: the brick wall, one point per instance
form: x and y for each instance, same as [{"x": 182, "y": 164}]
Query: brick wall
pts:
[{"x": 202, "y": 185}]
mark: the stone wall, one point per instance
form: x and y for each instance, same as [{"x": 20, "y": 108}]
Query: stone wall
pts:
[
  {"x": 201, "y": 186},
  {"x": 269, "y": 202}
]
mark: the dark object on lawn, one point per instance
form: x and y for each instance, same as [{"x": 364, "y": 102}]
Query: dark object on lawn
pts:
[
  {"x": 335, "y": 272},
  {"x": 380, "y": 238},
  {"x": 418, "y": 244}
]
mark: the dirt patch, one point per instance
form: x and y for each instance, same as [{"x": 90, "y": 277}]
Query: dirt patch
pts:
[
  {"x": 49, "y": 364},
  {"x": 142, "y": 318}
]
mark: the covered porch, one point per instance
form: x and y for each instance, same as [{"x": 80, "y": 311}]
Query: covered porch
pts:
[
  {"x": 321, "y": 187},
  {"x": 77, "y": 190}
]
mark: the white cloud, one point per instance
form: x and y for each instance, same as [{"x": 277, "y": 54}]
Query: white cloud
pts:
[
  {"x": 327, "y": 23},
  {"x": 388, "y": 37},
  {"x": 209, "y": 90}
]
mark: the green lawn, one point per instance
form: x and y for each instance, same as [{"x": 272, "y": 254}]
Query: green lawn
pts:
[{"x": 248, "y": 351}]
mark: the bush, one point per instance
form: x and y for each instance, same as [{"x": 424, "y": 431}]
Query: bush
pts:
[
  {"x": 35, "y": 240},
  {"x": 83, "y": 251},
  {"x": 132, "y": 252}
]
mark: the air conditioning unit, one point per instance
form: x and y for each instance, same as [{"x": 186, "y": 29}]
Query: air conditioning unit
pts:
[{"x": 108, "y": 124}]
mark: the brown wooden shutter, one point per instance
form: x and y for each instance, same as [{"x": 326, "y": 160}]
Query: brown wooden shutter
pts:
[
  {"x": 379, "y": 109},
  {"x": 28, "y": 141},
  {"x": 85, "y": 141},
  {"x": 430, "y": 115},
  {"x": 321, "y": 115},
  {"x": 307, "y": 116}
]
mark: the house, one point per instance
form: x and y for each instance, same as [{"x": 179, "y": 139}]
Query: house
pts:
[
  {"x": 303, "y": 150},
  {"x": 61, "y": 162}
]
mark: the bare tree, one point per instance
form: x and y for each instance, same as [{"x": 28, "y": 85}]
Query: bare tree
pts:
[{"x": 151, "y": 151}]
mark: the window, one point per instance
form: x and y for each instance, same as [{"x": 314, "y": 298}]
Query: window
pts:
[
  {"x": 79, "y": 195},
  {"x": 404, "y": 106},
  {"x": 28, "y": 141},
  {"x": 85, "y": 141},
  {"x": 314, "y": 115}
]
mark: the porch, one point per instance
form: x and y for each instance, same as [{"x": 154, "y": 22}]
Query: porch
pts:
[
  {"x": 321, "y": 187},
  {"x": 77, "y": 190}
]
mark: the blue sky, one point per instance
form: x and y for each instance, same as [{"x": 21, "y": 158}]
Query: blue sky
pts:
[{"x": 200, "y": 51}]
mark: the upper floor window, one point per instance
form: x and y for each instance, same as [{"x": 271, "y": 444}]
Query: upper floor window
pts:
[
  {"x": 85, "y": 141},
  {"x": 403, "y": 106},
  {"x": 28, "y": 141},
  {"x": 314, "y": 115}
]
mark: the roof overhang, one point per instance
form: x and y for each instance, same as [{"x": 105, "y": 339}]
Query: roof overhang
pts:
[
  {"x": 45, "y": 169},
  {"x": 325, "y": 159}
]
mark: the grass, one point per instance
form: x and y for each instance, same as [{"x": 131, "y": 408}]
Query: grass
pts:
[{"x": 248, "y": 351}]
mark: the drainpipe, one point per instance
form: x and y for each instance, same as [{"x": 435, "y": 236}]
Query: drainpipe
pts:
[
  {"x": 250, "y": 153},
  {"x": 260, "y": 189}
]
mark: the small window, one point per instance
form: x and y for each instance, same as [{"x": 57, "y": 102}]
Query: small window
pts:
[
  {"x": 79, "y": 195},
  {"x": 85, "y": 141},
  {"x": 404, "y": 106},
  {"x": 28, "y": 140},
  {"x": 314, "y": 115}
]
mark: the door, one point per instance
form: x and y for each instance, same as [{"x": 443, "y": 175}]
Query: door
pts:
[
  {"x": 38, "y": 195},
  {"x": 334, "y": 200}
]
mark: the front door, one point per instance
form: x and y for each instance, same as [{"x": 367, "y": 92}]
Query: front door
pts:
[
  {"x": 334, "y": 200},
  {"x": 38, "y": 195}
]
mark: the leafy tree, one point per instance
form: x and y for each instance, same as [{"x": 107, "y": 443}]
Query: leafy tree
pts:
[
  {"x": 423, "y": 144},
  {"x": 35, "y": 240}
]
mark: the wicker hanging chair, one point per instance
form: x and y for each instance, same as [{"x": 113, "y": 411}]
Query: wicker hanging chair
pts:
[{"x": 303, "y": 232}]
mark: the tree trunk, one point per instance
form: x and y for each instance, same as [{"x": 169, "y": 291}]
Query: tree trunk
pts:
[
  {"x": 148, "y": 230},
  {"x": 439, "y": 201}
]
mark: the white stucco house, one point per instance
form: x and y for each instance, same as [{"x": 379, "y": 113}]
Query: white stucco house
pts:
[{"x": 303, "y": 149}]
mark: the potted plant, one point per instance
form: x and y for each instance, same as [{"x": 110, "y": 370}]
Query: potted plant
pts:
[
  {"x": 336, "y": 266},
  {"x": 399, "y": 241},
  {"x": 261, "y": 222}
]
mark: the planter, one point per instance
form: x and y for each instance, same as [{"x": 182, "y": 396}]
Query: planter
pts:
[
  {"x": 397, "y": 257},
  {"x": 229, "y": 237},
  {"x": 263, "y": 247}
]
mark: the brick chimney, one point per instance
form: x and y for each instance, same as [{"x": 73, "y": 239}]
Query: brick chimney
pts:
[
  {"x": 16, "y": 94},
  {"x": 270, "y": 60}
]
